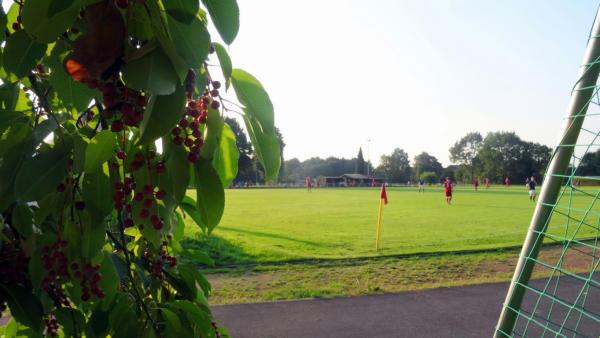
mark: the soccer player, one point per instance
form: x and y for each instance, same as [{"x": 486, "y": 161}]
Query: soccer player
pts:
[
  {"x": 507, "y": 182},
  {"x": 531, "y": 187},
  {"x": 487, "y": 183},
  {"x": 476, "y": 184},
  {"x": 421, "y": 186},
  {"x": 308, "y": 183},
  {"x": 448, "y": 190}
]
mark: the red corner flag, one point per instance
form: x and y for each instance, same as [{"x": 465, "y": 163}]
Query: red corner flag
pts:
[{"x": 383, "y": 194}]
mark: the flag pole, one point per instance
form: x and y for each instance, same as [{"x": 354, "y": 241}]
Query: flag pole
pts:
[{"x": 378, "y": 235}]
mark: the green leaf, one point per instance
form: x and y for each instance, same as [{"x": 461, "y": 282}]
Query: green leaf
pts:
[
  {"x": 45, "y": 20},
  {"x": 172, "y": 320},
  {"x": 225, "y": 15},
  {"x": 92, "y": 235},
  {"x": 73, "y": 94},
  {"x": 41, "y": 174},
  {"x": 161, "y": 115},
  {"x": 24, "y": 307},
  {"x": 210, "y": 194},
  {"x": 100, "y": 149},
  {"x": 71, "y": 320},
  {"x": 177, "y": 177},
  {"x": 212, "y": 134},
  {"x": 97, "y": 325},
  {"x": 15, "y": 134},
  {"x": 193, "y": 313},
  {"x": 224, "y": 61},
  {"x": 110, "y": 279},
  {"x": 3, "y": 22},
  {"x": 57, "y": 6},
  {"x": 22, "y": 53},
  {"x": 156, "y": 20},
  {"x": 22, "y": 220},
  {"x": 192, "y": 40},
  {"x": 9, "y": 94},
  {"x": 139, "y": 22},
  {"x": 191, "y": 209},
  {"x": 97, "y": 193},
  {"x": 266, "y": 146},
  {"x": 182, "y": 10},
  {"x": 226, "y": 156},
  {"x": 178, "y": 229},
  {"x": 152, "y": 72},
  {"x": 253, "y": 96}
]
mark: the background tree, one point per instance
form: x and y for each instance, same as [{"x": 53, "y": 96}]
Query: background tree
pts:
[
  {"x": 425, "y": 162},
  {"x": 109, "y": 114},
  {"x": 465, "y": 151},
  {"x": 361, "y": 165},
  {"x": 590, "y": 164},
  {"x": 429, "y": 177},
  {"x": 395, "y": 167}
]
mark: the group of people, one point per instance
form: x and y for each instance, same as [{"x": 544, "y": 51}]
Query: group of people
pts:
[{"x": 530, "y": 184}]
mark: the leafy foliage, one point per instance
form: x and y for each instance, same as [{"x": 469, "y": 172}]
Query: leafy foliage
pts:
[{"x": 108, "y": 114}]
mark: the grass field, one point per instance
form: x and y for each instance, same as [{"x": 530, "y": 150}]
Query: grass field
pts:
[
  {"x": 288, "y": 243},
  {"x": 267, "y": 225}
]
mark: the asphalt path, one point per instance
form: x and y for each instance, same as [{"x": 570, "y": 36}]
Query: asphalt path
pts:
[{"x": 467, "y": 311}]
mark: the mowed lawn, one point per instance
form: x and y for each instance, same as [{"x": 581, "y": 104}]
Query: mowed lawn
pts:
[{"x": 268, "y": 225}]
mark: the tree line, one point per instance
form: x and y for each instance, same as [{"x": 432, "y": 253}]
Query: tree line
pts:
[{"x": 496, "y": 156}]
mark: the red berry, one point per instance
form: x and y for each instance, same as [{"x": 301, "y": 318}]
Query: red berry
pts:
[
  {"x": 177, "y": 140},
  {"x": 148, "y": 189},
  {"x": 148, "y": 203},
  {"x": 121, "y": 154},
  {"x": 160, "y": 167},
  {"x": 214, "y": 93},
  {"x": 215, "y": 105},
  {"x": 160, "y": 194},
  {"x": 144, "y": 213},
  {"x": 183, "y": 122},
  {"x": 128, "y": 223},
  {"x": 127, "y": 109},
  {"x": 116, "y": 126},
  {"x": 107, "y": 113},
  {"x": 176, "y": 131},
  {"x": 216, "y": 84},
  {"x": 16, "y": 26},
  {"x": 79, "y": 205}
]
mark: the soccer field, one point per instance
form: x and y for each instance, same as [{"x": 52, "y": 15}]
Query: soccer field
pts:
[{"x": 267, "y": 225}]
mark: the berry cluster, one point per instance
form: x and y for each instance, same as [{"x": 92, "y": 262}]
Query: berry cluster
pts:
[
  {"x": 18, "y": 21},
  {"x": 13, "y": 264},
  {"x": 51, "y": 326},
  {"x": 123, "y": 106},
  {"x": 143, "y": 197},
  {"x": 55, "y": 262},
  {"x": 187, "y": 132},
  {"x": 161, "y": 259},
  {"x": 89, "y": 277}
]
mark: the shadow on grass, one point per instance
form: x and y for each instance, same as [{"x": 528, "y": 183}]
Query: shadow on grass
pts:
[
  {"x": 270, "y": 235},
  {"x": 222, "y": 251}
]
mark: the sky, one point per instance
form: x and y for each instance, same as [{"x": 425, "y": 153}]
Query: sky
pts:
[
  {"x": 411, "y": 74},
  {"x": 416, "y": 75}
]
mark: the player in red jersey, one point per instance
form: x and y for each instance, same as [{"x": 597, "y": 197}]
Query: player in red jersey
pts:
[
  {"x": 308, "y": 183},
  {"x": 448, "y": 190},
  {"x": 476, "y": 184},
  {"x": 507, "y": 182}
]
